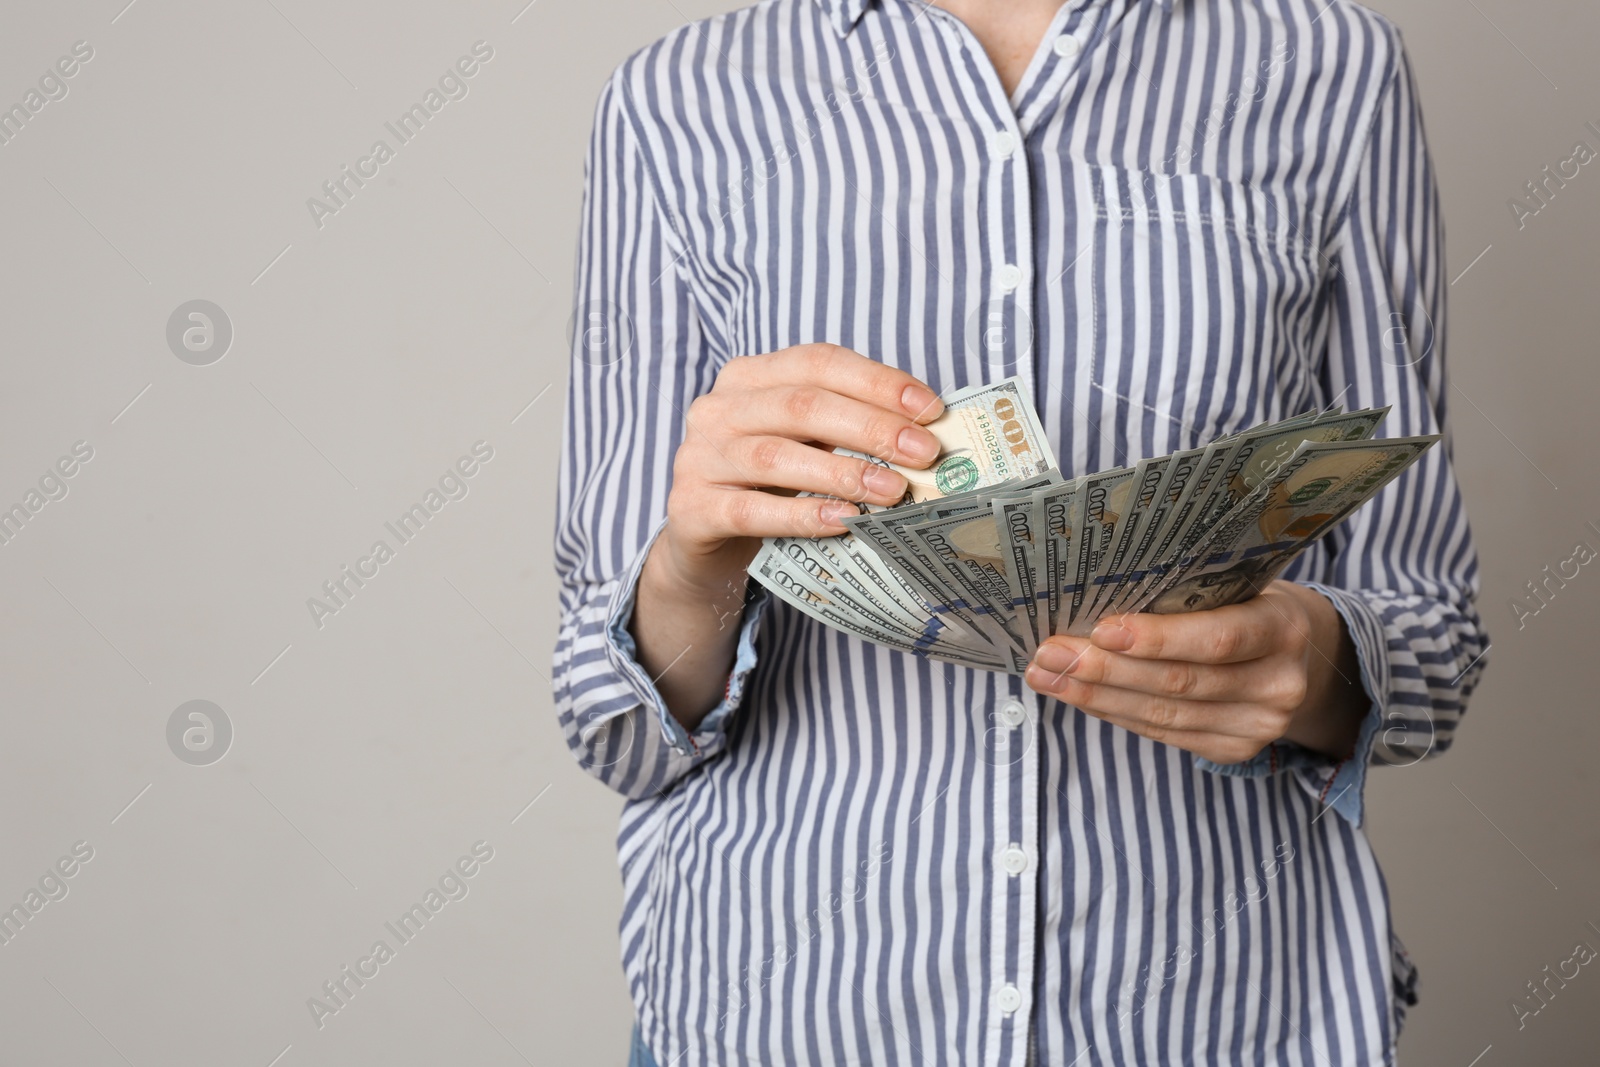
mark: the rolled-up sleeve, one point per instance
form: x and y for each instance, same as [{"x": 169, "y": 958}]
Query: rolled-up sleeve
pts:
[
  {"x": 643, "y": 347},
  {"x": 1404, "y": 571}
]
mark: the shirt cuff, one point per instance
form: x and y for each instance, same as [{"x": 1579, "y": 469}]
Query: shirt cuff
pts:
[
  {"x": 708, "y": 737},
  {"x": 1338, "y": 784}
]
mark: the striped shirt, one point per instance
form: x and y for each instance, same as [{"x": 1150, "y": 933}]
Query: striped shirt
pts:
[{"x": 1190, "y": 216}]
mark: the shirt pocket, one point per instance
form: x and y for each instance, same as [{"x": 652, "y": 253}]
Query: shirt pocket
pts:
[{"x": 1204, "y": 295}]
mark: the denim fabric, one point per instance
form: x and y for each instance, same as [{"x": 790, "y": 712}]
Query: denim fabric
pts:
[{"x": 638, "y": 1055}]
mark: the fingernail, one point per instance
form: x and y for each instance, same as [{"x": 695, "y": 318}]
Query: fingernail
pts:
[
  {"x": 1058, "y": 658},
  {"x": 835, "y": 510},
  {"x": 1113, "y": 637},
  {"x": 881, "y": 481},
  {"x": 918, "y": 444},
  {"x": 920, "y": 403},
  {"x": 1040, "y": 680}
]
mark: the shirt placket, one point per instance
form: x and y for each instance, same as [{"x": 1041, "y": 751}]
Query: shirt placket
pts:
[{"x": 1006, "y": 340}]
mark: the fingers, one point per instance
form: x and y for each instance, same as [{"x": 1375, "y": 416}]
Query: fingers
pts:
[
  {"x": 1164, "y": 719},
  {"x": 1234, "y": 634},
  {"x": 715, "y": 515},
  {"x": 785, "y": 464},
  {"x": 842, "y": 371},
  {"x": 767, "y": 429},
  {"x": 1076, "y": 658},
  {"x": 817, "y": 413}
]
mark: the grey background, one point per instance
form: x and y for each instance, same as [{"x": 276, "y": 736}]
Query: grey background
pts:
[{"x": 429, "y": 314}]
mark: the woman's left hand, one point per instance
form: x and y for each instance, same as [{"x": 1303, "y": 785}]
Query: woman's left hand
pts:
[{"x": 1223, "y": 683}]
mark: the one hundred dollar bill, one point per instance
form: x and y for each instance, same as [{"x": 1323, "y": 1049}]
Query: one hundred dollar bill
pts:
[
  {"x": 1317, "y": 487},
  {"x": 987, "y": 434}
]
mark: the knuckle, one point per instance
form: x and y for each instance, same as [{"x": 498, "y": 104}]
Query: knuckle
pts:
[
  {"x": 735, "y": 370},
  {"x": 1162, "y": 716},
  {"x": 1239, "y": 750},
  {"x": 684, "y": 467},
  {"x": 846, "y": 480},
  {"x": 766, "y": 455},
  {"x": 887, "y": 383},
  {"x": 704, "y": 417},
  {"x": 1278, "y": 726},
  {"x": 739, "y": 513},
  {"x": 1224, "y": 642},
  {"x": 1179, "y": 679},
  {"x": 1149, "y": 635},
  {"x": 818, "y": 357},
  {"x": 802, "y": 403},
  {"x": 1163, "y": 735},
  {"x": 1292, "y": 689}
]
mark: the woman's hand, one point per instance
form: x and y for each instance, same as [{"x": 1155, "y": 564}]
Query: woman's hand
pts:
[
  {"x": 1223, "y": 683},
  {"x": 766, "y": 431}
]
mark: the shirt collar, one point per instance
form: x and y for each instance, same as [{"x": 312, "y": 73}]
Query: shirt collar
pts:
[{"x": 844, "y": 14}]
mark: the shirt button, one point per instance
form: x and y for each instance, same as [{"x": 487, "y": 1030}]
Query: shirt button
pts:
[
  {"x": 1008, "y": 277},
  {"x": 1002, "y": 144},
  {"x": 1013, "y": 713},
  {"x": 1009, "y": 998},
  {"x": 1014, "y": 860},
  {"x": 1066, "y": 46}
]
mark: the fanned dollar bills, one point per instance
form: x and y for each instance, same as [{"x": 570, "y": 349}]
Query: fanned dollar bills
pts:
[{"x": 993, "y": 549}]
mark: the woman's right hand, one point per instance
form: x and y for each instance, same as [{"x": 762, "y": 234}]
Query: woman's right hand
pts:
[{"x": 766, "y": 431}]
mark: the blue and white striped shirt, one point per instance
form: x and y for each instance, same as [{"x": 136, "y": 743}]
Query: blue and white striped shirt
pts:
[{"x": 1191, "y": 216}]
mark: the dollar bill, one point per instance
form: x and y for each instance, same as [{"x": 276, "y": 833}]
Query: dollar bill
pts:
[
  {"x": 816, "y": 566},
  {"x": 1148, "y": 475},
  {"x": 1229, "y": 469},
  {"x": 987, "y": 434},
  {"x": 968, "y": 546},
  {"x": 789, "y": 584},
  {"x": 1059, "y": 516},
  {"x": 923, "y": 564},
  {"x": 1317, "y": 487},
  {"x": 1021, "y": 540},
  {"x": 885, "y": 532},
  {"x": 1107, "y": 498},
  {"x": 1177, "y": 474}
]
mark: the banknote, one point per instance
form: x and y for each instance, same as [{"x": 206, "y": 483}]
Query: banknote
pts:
[
  {"x": 1318, "y": 486},
  {"x": 1020, "y": 541},
  {"x": 1107, "y": 498},
  {"x": 1177, "y": 473},
  {"x": 1148, "y": 475},
  {"x": 814, "y": 566},
  {"x": 788, "y": 583},
  {"x": 920, "y": 565},
  {"x": 987, "y": 434},
  {"x": 1231, "y": 471},
  {"x": 968, "y": 546},
  {"x": 1057, "y": 517}
]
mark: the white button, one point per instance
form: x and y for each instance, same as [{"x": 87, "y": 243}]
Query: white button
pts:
[
  {"x": 1008, "y": 277},
  {"x": 1014, "y": 860},
  {"x": 1009, "y": 998},
  {"x": 1066, "y": 46},
  {"x": 1002, "y": 144},
  {"x": 1013, "y": 713}
]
